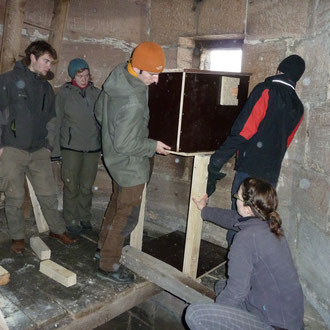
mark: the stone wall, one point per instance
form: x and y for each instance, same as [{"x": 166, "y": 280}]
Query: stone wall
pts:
[{"x": 104, "y": 32}]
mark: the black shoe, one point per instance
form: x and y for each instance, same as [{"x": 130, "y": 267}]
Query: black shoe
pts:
[
  {"x": 120, "y": 276},
  {"x": 85, "y": 226},
  {"x": 75, "y": 230}
]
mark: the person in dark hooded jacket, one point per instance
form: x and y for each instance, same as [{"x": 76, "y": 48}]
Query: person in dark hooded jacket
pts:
[
  {"x": 26, "y": 140},
  {"x": 263, "y": 130}
]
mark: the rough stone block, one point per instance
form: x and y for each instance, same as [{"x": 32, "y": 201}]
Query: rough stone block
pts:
[
  {"x": 261, "y": 59},
  {"x": 312, "y": 196},
  {"x": 225, "y": 16},
  {"x": 40, "y": 248},
  {"x": 320, "y": 15},
  {"x": 58, "y": 273},
  {"x": 313, "y": 264},
  {"x": 277, "y": 19},
  {"x": 172, "y": 21},
  {"x": 318, "y": 146},
  {"x": 96, "y": 19}
]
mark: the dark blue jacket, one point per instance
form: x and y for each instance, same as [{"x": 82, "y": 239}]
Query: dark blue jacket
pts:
[
  {"x": 261, "y": 272},
  {"x": 263, "y": 130},
  {"x": 27, "y": 110}
]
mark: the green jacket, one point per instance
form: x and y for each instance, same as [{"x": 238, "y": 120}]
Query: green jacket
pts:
[
  {"x": 122, "y": 111},
  {"x": 77, "y": 128}
]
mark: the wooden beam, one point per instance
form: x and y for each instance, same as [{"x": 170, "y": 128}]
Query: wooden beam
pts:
[
  {"x": 195, "y": 222},
  {"x": 12, "y": 34},
  {"x": 3, "y": 324},
  {"x": 165, "y": 276},
  {"x": 123, "y": 301},
  {"x": 4, "y": 276},
  {"x": 40, "y": 219},
  {"x": 137, "y": 234},
  {"x": 40, "y": 248},
  {"x": 39, "y": 26},
  {"x": 60, "y": 13},
  {"x": 58, "y": 273}
]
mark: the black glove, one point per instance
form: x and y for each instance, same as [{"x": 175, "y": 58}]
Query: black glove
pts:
[{"x": 214, "y": 176}]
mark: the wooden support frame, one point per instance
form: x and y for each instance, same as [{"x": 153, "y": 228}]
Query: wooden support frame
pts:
[
  {"x": 137, "y": 234},
  {"x": 195, "y": 222}
]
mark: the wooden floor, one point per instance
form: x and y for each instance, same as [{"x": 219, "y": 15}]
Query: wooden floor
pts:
[{"x": 31, "y": 300}]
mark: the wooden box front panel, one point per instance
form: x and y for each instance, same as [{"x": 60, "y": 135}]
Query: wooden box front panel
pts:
[
  {"x": 205, "y": 123},
  {"x": 164, "y": 104}
]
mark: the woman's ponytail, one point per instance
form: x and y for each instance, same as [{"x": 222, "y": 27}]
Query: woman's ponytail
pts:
[{"x": 262, "y": 199}]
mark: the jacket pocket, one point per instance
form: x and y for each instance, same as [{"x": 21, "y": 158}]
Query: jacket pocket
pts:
[{"x": 70, "y": 136}]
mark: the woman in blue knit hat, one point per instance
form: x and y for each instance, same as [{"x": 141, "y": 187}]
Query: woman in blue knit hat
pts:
[{"x": 78, "y": 144}]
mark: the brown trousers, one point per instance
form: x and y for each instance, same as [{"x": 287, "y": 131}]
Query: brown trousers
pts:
[{"x": 119, "y": 221}]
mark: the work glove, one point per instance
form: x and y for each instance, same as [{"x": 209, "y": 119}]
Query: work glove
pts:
[{"x": 212, "y": 179}]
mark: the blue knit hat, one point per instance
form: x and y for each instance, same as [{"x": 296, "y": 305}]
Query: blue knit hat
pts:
[{"x": 75, "y": 65}]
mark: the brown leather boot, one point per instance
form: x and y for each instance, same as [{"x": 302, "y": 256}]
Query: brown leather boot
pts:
[
  {"x": 64, "y": 238},
  {"x": 17, "y": 246}
]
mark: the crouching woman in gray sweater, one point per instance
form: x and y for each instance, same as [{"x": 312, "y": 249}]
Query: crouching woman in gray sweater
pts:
[{"x": 262, "y": 290}]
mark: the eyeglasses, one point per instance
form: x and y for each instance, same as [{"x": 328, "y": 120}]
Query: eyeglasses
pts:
[
  {"x": 82, "y": 76},
  {"x": 237, "y": 197}
]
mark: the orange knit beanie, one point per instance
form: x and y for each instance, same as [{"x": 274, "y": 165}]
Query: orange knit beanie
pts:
[{"x": 148, "y": 56}]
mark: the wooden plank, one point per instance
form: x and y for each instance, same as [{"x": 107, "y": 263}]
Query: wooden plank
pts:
[
  {"x": 137, "y": 234},
  {"x": 180, "y": 112},
  {"x": 40, "y": 248},
  {"x": 195, "y": 222},
  {"x": 3, "y": 324},
  {"x": 122, "y": 302},
  {"x": 40, "y": 219},
  {"x": 188, "y": 154},
  {"x": 12, "y": 34},
  {"x": 165, "y": 276},
  {"x": 58, "y": 273},
  {"x": 60, "y": 13},
  {"x": 4, "y": 276}
]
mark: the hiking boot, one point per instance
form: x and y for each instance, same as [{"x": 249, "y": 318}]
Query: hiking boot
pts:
[
  {"x": 119, "y": 277},
  {"x": 17, "y": 246},
  {"x": 86, "y": 225},
  {"x": 64, "y": 238},
  {"x": 74, "y": 230}
]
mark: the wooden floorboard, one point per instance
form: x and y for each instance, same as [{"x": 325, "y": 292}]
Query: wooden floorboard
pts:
[{"x": 31, "y": 300}]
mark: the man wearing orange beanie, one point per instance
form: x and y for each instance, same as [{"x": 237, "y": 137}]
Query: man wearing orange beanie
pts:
[{"x": 122, "y": 111}]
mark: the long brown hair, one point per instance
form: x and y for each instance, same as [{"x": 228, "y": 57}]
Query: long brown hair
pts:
[{"x": 261, "y": 197}]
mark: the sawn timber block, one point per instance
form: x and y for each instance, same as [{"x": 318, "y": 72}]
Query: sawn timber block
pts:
[
  {"x": 58, "y": 273},
  {"x": 4, "y": 276},
  {"x": 40, "y": 248},
  {"x": 166, "y": 276}
]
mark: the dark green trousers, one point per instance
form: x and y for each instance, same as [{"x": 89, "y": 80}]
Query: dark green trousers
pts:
[
  {"x": 14, "y": 165},
  {"x": 79, "y": 171}
]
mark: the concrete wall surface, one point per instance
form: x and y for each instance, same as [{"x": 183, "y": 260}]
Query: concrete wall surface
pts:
[{"x": 104, "y": 33}]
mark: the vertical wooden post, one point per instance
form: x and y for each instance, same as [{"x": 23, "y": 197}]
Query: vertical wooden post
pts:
[
  {"x": 195, "y": 222},
  {"x": 12, "y": 33},
  {"x": 137, "y": 233},
  {"x": 60, "y": 14}
]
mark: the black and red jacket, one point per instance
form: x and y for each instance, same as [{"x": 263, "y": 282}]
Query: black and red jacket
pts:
[{"x": 263, "y": 130}]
